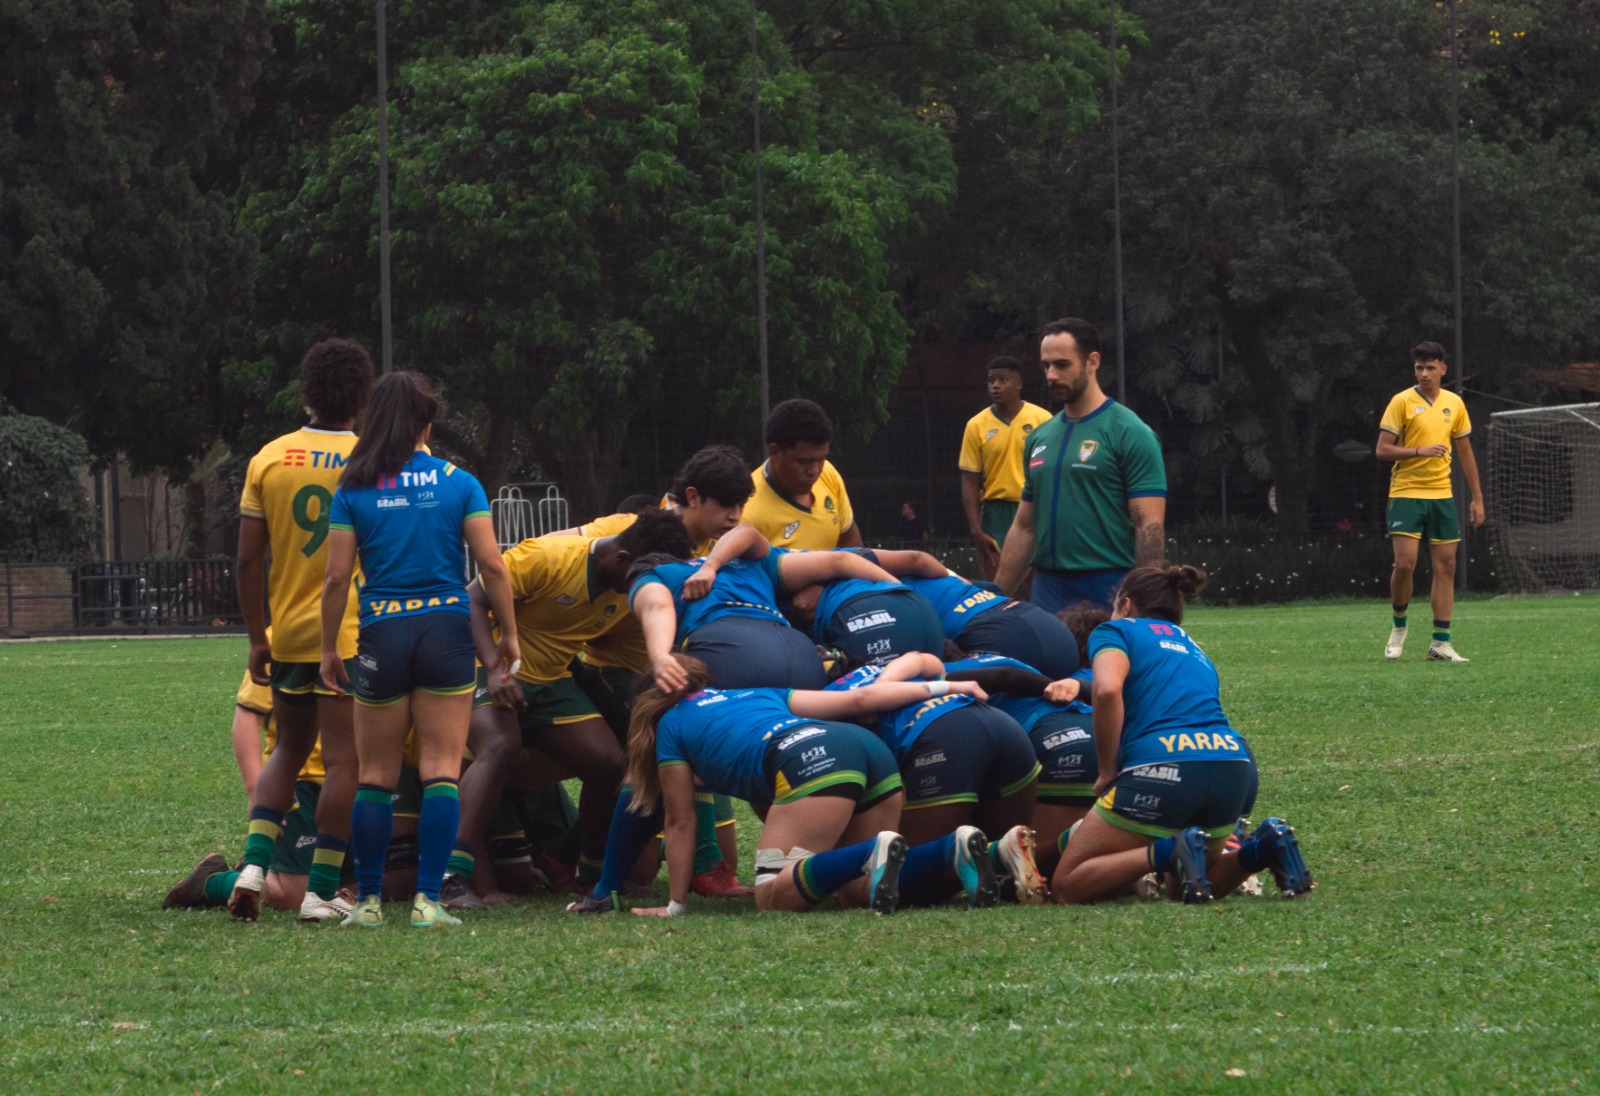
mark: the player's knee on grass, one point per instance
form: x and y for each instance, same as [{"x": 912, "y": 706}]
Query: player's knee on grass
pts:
[{"x": 775, "y": 886}]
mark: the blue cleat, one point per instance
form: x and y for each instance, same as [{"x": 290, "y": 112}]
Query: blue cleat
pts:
[
  {"x": 883, "y": 871},
  {"x": 1188, "y": 863},
  {"x": 1281, "y": 851},
  {"x": 974, "y": 867}
]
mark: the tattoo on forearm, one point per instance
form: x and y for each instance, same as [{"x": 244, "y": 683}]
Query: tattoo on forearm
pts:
[{"x": 1152, "y": 543}]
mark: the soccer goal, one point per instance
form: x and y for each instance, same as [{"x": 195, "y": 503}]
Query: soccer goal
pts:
[{"x": 1544, "y": 496}]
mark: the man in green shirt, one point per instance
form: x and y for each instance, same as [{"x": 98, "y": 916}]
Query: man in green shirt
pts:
[{"x": 1094, "y": 493}]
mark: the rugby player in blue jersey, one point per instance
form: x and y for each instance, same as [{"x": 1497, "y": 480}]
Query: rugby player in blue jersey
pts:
[
  {"x": 1174, "y": 775},
  {"x": 871, "y": 622},
  {"x": 405, "y": 513}
]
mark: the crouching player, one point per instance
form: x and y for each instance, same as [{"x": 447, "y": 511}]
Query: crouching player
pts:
[{"x": 1174, "y": 776}]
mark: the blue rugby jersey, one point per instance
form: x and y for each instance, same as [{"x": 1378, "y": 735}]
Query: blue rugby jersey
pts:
[
  {"x": 722, "y": 735},
  {"x": 956, "y": 601},
  {"x": 743, "y": 588},
  {"x": 901, "y": 727}
]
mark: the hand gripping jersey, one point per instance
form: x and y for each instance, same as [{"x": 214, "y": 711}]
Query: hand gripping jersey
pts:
[
  {"x": 743, "y": 588},
  {"x": 622, "y": 645},
  {"x": 1026, "y": 710},
  {"x": 723, "y": 736},
  {"x": 901, "y": 727}
]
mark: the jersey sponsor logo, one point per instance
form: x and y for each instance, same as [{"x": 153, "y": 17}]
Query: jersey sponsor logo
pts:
[
  {"x": 1417, "y": 410},
  {"x": 937, "y": 757},
  {"x": 367, "y": 661},
  {"x": 789, "y": 530},
  {"x": 1446, "y": 412},
  {"x": 976, "y": 599},
  {"x": 1061, "y": 738},
  {"x": 1037, "y": 450},
  {"x": 815, "y": 753},
  {"x": 1168, "y": 645},
  {"x": 798, "y": 737},
  {"x": 872, "y": 620},
  {"x": 1396, "y": 524},
  {"x": 1162, "y": 629},
  {"x": 608, "y": 610},
  {"x": 1200, "y": 740},
  {"x": 410, "y": 605},
  {"x": 1146, "y": 802},
  {"x": 709, "y": 698},
  {"x": 394, "y": 504},
  {"x": 1036, "y": 463},
  {"x": 1167, "y": 774},
  {"x": 1087, "y": 450},
  {"x": 880, "y": 646},
  {"x": 317, "y": 458},
  {"x": 304, "y": 841},
  {"x": 566, "y": 599},
  {"x": 294, "y": 458},
  {"x": 990, "y": 435}
]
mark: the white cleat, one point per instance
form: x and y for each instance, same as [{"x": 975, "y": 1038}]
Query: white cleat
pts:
[
  {"x": 1016, "y": 859},
  {"x": 1441, "y": 651},
  {"x": 315, "y": 909},
  {"x": 1396, "y": 645}
]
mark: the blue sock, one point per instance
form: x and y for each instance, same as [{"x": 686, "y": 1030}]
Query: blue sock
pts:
[
  {"x": 1252, "y": 856},
  {"x": 927, "y": 861},
  {"x": 630, "y": 832},
  {"x": 436, "y": 833},
  {"x": 371, "y": 822},
  {"x": 820, "y": 874},
  {"x": 1161, "y": 852}
]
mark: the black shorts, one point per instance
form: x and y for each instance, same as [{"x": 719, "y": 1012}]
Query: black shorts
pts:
[
  {"x": 1025, "y": 632},
  {"x": 432, "y": 652},
  {"x": 825, "y": 758},
  {"x": 1160, "y": 800},
  {"x": 746, "y": 653},
  {"x": 876, "y": 627},
  {"x": 1064, "y": 744},
  {"x": 972, "y": 754}
]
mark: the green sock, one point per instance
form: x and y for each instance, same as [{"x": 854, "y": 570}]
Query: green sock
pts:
[
  {"x": 1400, "y": 615},
  {"x": 327, "y": 862},
  {"x": 220, "y": 886},
  {"x": 265, "y": 826},
  {"x": 707, "y": 853},
  {"x": 1441, "y": 631},
  {"x": 463, "y": 862}
]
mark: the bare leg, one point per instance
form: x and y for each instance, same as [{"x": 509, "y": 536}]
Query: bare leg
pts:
[
  {"x": 1444, "y": 579},
  {"x": 814, "y": 823},
  {"x": 1101, "y": 861},
  {"x": 1405, "y": 565},
  {"x": 1050, "y": 821},
  {"x": 335, "y": 719},
  {"x": 495, "y": 740},
  {"x": 590, "y": 751},
  {"x": 998, "y": 816}
]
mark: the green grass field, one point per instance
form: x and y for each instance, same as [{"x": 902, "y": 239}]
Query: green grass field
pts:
[{"x": 1449, "y": 813}]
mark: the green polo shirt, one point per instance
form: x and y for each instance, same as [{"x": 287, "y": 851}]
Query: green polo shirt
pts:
[{"x": 1079, "y": 474}]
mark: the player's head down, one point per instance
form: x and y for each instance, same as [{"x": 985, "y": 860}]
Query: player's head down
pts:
[
  {"x": 799, "y": 433},
  {"x": 649, "y": 705},
  {"x": 1158, "y": 590},
  {"x": 399, "y": 419},
  {"x": 335, "y": 379}
]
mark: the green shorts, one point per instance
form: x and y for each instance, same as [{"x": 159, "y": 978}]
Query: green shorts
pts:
[
  {"x": 995, "y": 515},
  {"x": 610, "y": 689},
  {"x": 550, "y": 703},
  {"x": 1434, "y": 520},
  {"x": 296, "y": 845},
  {"x": 301, "y": 682}
]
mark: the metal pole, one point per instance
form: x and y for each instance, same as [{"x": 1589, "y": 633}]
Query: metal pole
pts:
[
  {"x": 761, "y": 224},
  {"x": 1455, "y": 263},
  {"x": 1116, "y": 211},
  {"x": 386, "y": 305}
]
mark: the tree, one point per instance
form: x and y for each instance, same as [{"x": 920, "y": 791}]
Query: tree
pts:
[
  {"x": 120, "y": 262},
  {"x": 44, "y": 513}
]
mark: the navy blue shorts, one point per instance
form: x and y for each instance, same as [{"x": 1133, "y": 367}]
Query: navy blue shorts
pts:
[
  {"x": 746, "y": 653},
  {"x": 1026, "y": 633},
  {"x": 1064, "y": 744},
  {"x": 432, "y": 652},
  {"x": 876, "y": 627},
  {"x": 1054, "y": 591},
  {"x": 1160, "y": 800},
  {"x": 971, "y": 754},
  {"x": 821, "y": 757}
]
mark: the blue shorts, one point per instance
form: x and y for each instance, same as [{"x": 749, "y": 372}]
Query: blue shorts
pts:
[
  {"x": 876, "y": 627},
  {"x": 971, "y": 754},
  {"x": 1026, "y": 633},
  {"x": 432, "y": 652},
  {"x": 1054, "y": 591},
  {"x": 746, "y": 653},
  {"x": 1064, "y": 744},
  {"x": 820, "y": 757},
  {"x": 1160, "y": 800}
]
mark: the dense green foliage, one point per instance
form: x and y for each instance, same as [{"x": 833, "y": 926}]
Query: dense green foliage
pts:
[
  {"x": 1449, "y": 947},
  {"x": 44, "y": 513}
]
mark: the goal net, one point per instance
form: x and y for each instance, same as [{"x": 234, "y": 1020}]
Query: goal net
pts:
[{"x": 1544, "y": 496}]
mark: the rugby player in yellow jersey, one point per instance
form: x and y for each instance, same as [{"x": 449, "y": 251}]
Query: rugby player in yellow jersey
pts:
[
  {"x": 566, "y": 590},
  {"x": 284, "y": 515},
  {"x": 799, "y": 499},
  {"x": 991, "y": 460},
  {"x": 1419, "y": 429}
]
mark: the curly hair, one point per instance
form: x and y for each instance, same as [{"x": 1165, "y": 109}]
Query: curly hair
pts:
[
  {"x": 798, "y": 422},
  {"x": 336, "y": 379},
  {"x": 718, "y": 472}
]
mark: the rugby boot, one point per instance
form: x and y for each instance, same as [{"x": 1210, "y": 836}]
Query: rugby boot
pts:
[
  {"x": 1016, "y": 858},
  {"x": 720, "y": 882},
  {"x": 974, "y": 867},
  {"x": 189, "y": 893},
  {"x": 1281, "y": 850},
  {"x": 1188, "y": 863},
  {"x": 883, "y": 871},
  {"x": 245, "y": 901}
]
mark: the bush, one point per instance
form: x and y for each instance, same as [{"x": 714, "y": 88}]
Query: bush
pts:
[{"x": 44, "y": 513}]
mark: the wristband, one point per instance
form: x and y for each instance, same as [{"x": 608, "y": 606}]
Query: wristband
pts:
[
  {"x": 938, "y": 688},
  {"x": 675, "y": 908}
]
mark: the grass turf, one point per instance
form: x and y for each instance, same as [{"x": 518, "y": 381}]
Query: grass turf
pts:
[{"x": 1448, "y": 811}]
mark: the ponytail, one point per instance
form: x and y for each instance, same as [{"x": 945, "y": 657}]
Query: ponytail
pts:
[{"x": 651, "y": 703}]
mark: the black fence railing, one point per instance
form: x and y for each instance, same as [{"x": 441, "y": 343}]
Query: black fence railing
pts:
[{"x": 168, "y": 593}]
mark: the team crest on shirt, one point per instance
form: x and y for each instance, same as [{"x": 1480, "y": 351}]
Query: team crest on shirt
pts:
[
  {"x": 1446, "y": 412},
  {"x": 609, "y": 609},
  {"x": 827, "y": 503},
  {"x": 789, "y": 530},
  {"x": 566, "y": 599},
  {"x": 1086, "y": 450},
  {"x": 1027, "y": 428},
  {"x": 990, "y": 435}
]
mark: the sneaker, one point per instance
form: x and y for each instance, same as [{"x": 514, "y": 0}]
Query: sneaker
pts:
[
  {"x": 1282, "y": 852},
  {"x": 365, "y": 914},
  {"x": 973, "y": 867},
  {"x": 1441, "y": 651},
  {"x": 1396, "y": 645},
  {"x": 720, "y": 882},
  {"x": 1189, "y": 865},
  {"x": 883, "y": 871},
  {"x": 189, "y": 893},
  {"x": 245, "y": 901},
  {"x": 315, "y": 909},
  {"x": 427, "y": 914},
  {"x": 590, "y": 904},
  {"x": 1016, "y": 858},
  {"x": 457, "y": 894}
]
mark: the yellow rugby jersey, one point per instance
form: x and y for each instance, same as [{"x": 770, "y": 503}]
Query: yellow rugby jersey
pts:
[
  {"x": 622, "y": 645},
  {"x": 992, "y": 447},
  {"x": 558, "y": 605},
  {"x": 290, "y": 484},
  {"x": 1415, "y": 422},
  {"x": 258, "y": 698},
  {"x": 787, "y": 524}
]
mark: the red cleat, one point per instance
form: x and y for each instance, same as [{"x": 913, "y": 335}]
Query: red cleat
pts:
[{"x": 719, "y": 882}]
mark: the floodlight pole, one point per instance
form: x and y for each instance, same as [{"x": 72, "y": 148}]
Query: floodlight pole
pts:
[
  {"x": 761, "y": 224},
  {"x": 386, "y": 306},
  {"x": 1455, "y": 262},
  {"x": 1116, "y": 212}
]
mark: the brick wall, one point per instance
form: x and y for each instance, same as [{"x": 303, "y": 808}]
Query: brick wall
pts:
[{"x": 38, "y": 597}]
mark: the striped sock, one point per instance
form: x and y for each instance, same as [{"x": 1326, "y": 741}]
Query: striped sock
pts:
[
  {"x": 219, "y": 887},
  {"x": 1400, "y": 615},
  {"x": 707, "y": 853},
  {"x": 820, "y": 874},
  {"x": 1161, "y": 853},
  {"x": 436, "y": 832},
  {"x": 371, "y": 823},
  {"x": 265, "y": 826},
  {"x": 463, "y": 861},
  {"x": 1441, "y": 631},
  {"x": 327, "y": 862}
]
